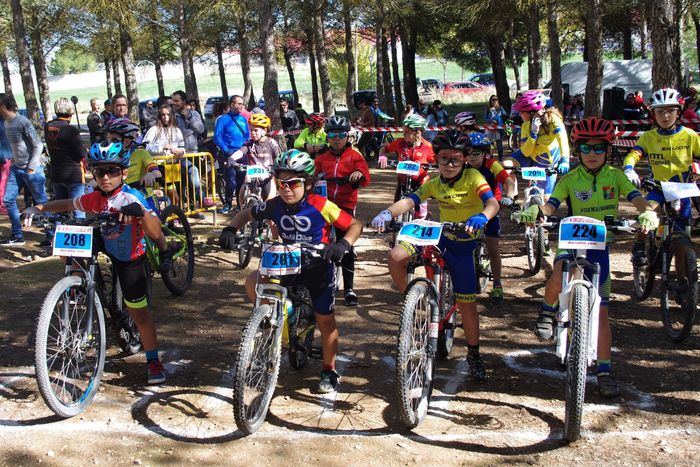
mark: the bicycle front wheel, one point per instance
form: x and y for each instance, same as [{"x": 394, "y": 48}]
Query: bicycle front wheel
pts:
[
  {"x": 576, "y": 363},
  {"x": 644, "y": 274},
  {"x": 679, "y": 292},
  {"x": 178, "y": 235},
  {"x": 69, "y": 352},
  {"x": 535, "y": 246},
  {"x": 257, "y": 368},
  {"x": 446, "y": 335},
  {"x": 482, "y": 261},
  {"x": 245, "y": 249},
  {"x": 414, "y": 361}
]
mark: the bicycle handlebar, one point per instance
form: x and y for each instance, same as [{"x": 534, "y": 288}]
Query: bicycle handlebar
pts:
[{"x": 548, "y": 170}]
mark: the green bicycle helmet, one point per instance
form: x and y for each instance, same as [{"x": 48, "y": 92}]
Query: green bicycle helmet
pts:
[
  {"x": 295, "y": 161},
  {"x": 415, "y": 122}
]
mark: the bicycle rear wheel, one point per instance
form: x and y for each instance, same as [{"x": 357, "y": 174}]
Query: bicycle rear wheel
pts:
[
  {"x": 178, "y": 235},
  {"x": 482, "y": 262},
  {"x": 128, "y": 334},
  {"x": 414, "y": 361},
  {"x": 679, "y": 293},
  {"x": 257, "y": 368},
  {"x": 69, "y": 358},
  {"x": 446, "y": 335},
  {"x": 245, "y": 250},
  {"x": 301, "y": 337},
  {"x": 576, "y": 363},
  {"x": 645, "y": 274}
]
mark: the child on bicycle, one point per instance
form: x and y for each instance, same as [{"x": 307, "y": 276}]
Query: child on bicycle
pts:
[
  {"x": 592, "y": 189},
  {"x": 259, "y": 150},
  {"x": 463, "y": 196},
  {"x": 412, "y": 147},
  {"x": 343, "y": 161},
  {"x": 543, "y": 141},
  {"x": 303, "y": 216},
  {"x": 312, "y": 139},
  {"x": 125, "y": 246},
  {"x": 671, "y": 148},
  {"x": 495, "y": 175}
]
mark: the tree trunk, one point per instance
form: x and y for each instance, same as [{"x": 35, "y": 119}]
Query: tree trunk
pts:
[
  {"x": 379, "y": 84},
  {"x": 319, "y": 6},
  {"x": 312, "y": 64},
  {"x": 156, "y": 34},
  {"x": 408, "y": 49},
  {"x": 290, "y": 70},
  {"x": 195, "y": 88},
  {"x": 267, "y": 43},
  {"x": 132, "y": 91},
  {"x": 554, "y": 53},
  {"x": 222, "y": 70},
  {"x": 696, "y": 22},
  {"x": 594, "y": 34},
  {"x": 25, "y": 67},
  {"x": 245, "y": 61},
  {"x": 497, "y": 55},
  {"x": 108, "y": 77},
  {"x": 349, "y": 55},
  {"x": 185, "y": 52},
  {"x": 117, "y": 76},
  {"x": 665, "y": 70},
  {"x": 397, "y": 78},
  {"x": 534, "y": 45},
  {"x": 512, "y": 57},
  {"x": 5, "y": 71},
  {"x": 386, "y": 76},
  {"x": 627, "y": 39},
  {"x": 42, "y": 78},
  {"x": 643, "y": 33}
]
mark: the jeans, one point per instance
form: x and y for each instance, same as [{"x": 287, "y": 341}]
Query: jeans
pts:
[
  {"x": 4, "y": 175},
  {"x": 33, "y": 182},
  {"x": 70, "y": 191}
]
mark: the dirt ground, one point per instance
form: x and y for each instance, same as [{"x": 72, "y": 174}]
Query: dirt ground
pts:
[{"x": 516, "y": 417}]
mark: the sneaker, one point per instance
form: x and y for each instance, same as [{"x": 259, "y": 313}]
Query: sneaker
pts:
[
  {"x": 497, "y": 295},
  {"x": 208, "y": 202},
  {"x": 166, "y": 261},
  {"x": 639, "y": 254},
  {"x": 544, "y": 330},
  {"x": 547, "y": 251},
  {"x": 476, "y": 368},
  {"x": 197, "y": 215},
  {"x": 156, "y": 372},
  {"x": 225, "y": 210},
  {"x": 329, "y": 381},
  {"x": 350, "y": 298},
  {"x": 607, "y": 385},
  {"x": 12, "y": 241}
]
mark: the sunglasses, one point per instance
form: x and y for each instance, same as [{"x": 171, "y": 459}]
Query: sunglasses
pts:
[
  {"x": 292, "y": 183},
  {"x": 598, "y": 149},
  {"x": 453, "y": 161},
  {"x": 100, "y": 172},
  {"x": 339, "y": 134}
]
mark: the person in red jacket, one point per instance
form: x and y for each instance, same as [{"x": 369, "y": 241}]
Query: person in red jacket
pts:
[{"x": 341, "y": 171}]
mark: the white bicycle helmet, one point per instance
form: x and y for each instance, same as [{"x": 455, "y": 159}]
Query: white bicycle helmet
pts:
[{"x": 666, "y": 97}]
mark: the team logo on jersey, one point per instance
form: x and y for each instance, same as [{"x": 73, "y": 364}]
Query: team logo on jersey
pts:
[
  {"x": 608, "y": 192},
  {"x": 584, "y": 195},
  {"x": 298, "y": 223}
]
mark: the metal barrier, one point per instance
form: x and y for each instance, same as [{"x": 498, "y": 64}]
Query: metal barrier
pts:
[{"x": 190, "y": 181}]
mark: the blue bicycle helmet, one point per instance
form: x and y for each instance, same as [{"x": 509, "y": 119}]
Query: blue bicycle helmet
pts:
[
  {"x": 479, "y": 142},
  {"x": 109, "y": 153}
]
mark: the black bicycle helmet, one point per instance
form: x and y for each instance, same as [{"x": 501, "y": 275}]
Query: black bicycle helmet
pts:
[
  {"x": 337, "y": 123},
  {"x": 124, "y": 127},
  {"x": 452, "y": 139}
]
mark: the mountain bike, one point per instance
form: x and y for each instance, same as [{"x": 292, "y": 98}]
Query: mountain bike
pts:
[
  {"x": 283, "y": 317},
  {"x": 679, "y": 279},
  {"x": 70, "y": 336},
  {"x": 406, "y": 186},
  {"x": 511, "y": 133},
  {"x": 576, "y": 333},
  {"x": 254, "y": 233},
  {"x": 427, "y": 323}
]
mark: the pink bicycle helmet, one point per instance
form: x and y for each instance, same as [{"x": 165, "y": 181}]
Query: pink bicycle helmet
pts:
[{"x": 530, "y": 101}]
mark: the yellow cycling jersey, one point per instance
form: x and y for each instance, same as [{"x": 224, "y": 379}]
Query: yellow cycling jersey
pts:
[
  {"x": 458, "y": 201},
  {"x": 545, "y": 147},
  {"x": 140, "y": 163},
  {"x": 670, "y": 152}
]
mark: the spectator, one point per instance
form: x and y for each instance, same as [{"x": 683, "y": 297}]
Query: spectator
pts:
[
  {"x": 164, "y": 137},
  {"x": 290, "y": 122},
  {"x": 220, "y": 108},
  {"x": 494, "y": 115},
  {"x": 408, "y": 110},
  {"x": 66, "y": 153},
  {"x": 632, "y": 109},
  {"x": 106, "y": 114},
  {"x": 5, "y": 163},
  {"x": 690, "y": 115},
  {"x": 577, "y": 107},
  {"x": 515, "y": 115},
  {"x": 421, "y": 109},
  {"x": 437, "y": 116},
  {"x": 230, "y": 134},
  {"x": 367, "y": 144},
  {"x": 26, "y": 169},
  {"x": 150, "y": 116},
  {"x": 120, "y": 106},
  {"x": 94, "y": 122},
  {"x": 194, "y": 105},
  {"x": 164, "y": 100},
  {"x": 302, "y": 115}
]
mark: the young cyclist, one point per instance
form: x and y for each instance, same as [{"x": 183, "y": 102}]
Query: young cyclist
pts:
[
  {"x": 543, "y": 139},
  {"x": 671, "y": 148},
  {"x": 466, "y": 122},
  {"x": 592, "y": 189},
  {"x": 301, "y": 215},
  {"x": 342, "y": 160},
  {"x": 463, "y": 195},
  {"x": 495, "y": 175},
  {"x": 412, "y": 147},
  {"x": 125, "y": 246},
  {"x": 259, "y": 150},
  {"x": 312, "y": 139}
]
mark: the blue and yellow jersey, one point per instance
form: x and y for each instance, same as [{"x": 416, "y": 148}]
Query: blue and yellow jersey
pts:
[
  {"x": 459, "y": 200},
  {"x": 548, "y": 146},
  {"x": 670, "y": 152}
]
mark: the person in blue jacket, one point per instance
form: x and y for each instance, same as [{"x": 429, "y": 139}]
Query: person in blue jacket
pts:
[{"x": 230, "y": 134}]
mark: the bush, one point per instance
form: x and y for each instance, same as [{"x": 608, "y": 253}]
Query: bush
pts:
[{"x": 71, "y": 58}]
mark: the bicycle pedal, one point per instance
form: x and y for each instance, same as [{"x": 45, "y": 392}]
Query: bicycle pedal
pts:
[{"x": 316, "y": 353}]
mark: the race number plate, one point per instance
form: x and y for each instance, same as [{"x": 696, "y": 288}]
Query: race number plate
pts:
[
  {"x": 73, "y": 240},
  {"x": 321, "y": 188},
  {"x": 256, "y": 172},
  {"x": 581, "y": 233},
  {"x": 674, "y": 190},
  {"x": 280, "y": 260},
  {"x": 408, "y": 168},
  {"x": 420, "y": 232},
  {"x": 533, "y": 173}
]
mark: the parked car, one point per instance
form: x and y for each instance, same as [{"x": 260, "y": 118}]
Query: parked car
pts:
[
  {"x": 431, "y": 84},
  {"x": 209, "y": 105},
  {"x": 288, "y": 95},
  {"x": 486, "y": 79},
  {"x": 462, "y": 87},
  {"x": 24, "y": 113}
]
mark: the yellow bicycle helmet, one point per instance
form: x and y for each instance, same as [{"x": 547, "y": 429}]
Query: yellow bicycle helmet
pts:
[{"x": 260, "y": 120}]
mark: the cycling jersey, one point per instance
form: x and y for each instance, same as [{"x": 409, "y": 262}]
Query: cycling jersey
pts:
[
  {"x": 545, "y": 147},
  {"x": 494, "y": 174},
  {"x": 261, "y": 152},
  {"x": 422, "y": 153},
  {"x": 670, "y": 152},
  {"x": 332, "y": 166},
  {"x": 126, "y": 241},
  {"x": 140, "y": 163},
  {"x": 459, "y": 200},
  {"x": 314, "y": 139},
  {"x": 308, "y": 221}
]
